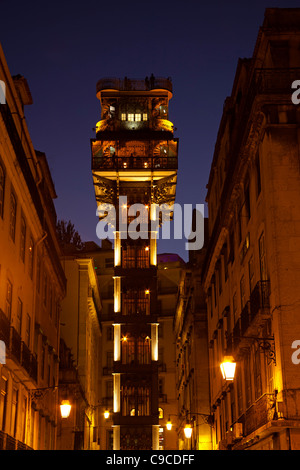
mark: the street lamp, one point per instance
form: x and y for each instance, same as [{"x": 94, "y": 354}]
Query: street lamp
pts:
[
  {"x": 65, "y": 405},
  {"x": 228, "y": 368},
  {"x": 188, "y": 430},
  {"x": 65, "y": 408},
  {"x": 169, "y": 424},
  {"x": 106, "y": 414}
]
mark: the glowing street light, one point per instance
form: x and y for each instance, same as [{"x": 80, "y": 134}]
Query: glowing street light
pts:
[
  {"x": 188, "y": 430},
  {"x": 169, "y": 424},
  {"x": 65, "y": 408},
  {"x": 228, "y": 368}
]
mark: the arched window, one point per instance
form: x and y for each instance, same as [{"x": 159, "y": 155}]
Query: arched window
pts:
[{"x": 2, "y": 187}]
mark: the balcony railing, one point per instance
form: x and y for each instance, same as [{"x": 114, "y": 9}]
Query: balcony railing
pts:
[
  {"x": 258, "y": 414},
  {"x": 134, "y": 84},
  {"x": 253, "y": 316},
  {"x": 4, "y": 328},
  {"x": 25, "y": 357},
  {"x": 16, "y": 348},
  {"x": 245, "y": 318},
  {"x": 107, "y": 370},
  {"x": 275, "y": 81},
  {"x": 8, "y": 442},
  {"x": 134, "y": 163},
  {"x": 260, "y": 298},
  {"x": 15, "y": 344}
]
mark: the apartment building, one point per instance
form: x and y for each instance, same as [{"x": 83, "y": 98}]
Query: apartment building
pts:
[
  {"x": 192, "y": 372},
  {"x": 32, "y": 282},
  {"x": 251, "y": 273},
  {"x": 80, "y": 355}
]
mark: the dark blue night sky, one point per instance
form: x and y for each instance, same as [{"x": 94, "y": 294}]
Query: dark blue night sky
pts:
[{"x": 63, "y": 48}]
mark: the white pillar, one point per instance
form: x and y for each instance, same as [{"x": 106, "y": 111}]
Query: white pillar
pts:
[
  {"x": 117, "y": 249},
  {"x": 116, "y": 437},
  {"x": 155, "y": 437},
  {"x": 117, "y": 342},
  {"x": 117, "y": 294},
  {"x": 117, "y": 391},
  {"x": 154, "y": 341},
  {"x": 153, "y": 248}
]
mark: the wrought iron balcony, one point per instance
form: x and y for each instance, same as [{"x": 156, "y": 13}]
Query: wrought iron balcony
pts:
[
  {"x": 260, "y": 299},
  {"x": 15, "y": 344},
  {"x": 128, "y": 84},
  {"x": 258, "y": 414},
  {"x": 247, "y": 328},
  {"x": 134, "y": 163},
  {"x": 4, "y": 328},
  {"x": 8, "y": 442}
]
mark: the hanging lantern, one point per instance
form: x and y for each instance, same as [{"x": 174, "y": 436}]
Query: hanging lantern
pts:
[
  {"x": 228, "y": 368},
  {"x": 169, "y": 424},
  {"x": 65, "y": 408},
  {"x": 188, "y": 430}
]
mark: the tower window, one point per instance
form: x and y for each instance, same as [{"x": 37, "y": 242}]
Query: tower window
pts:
[
  {"x": 131, "y": 117},
  {"x": 145, "y": 116},
  {"x": 123, "y": 116},
  {"x": 138, "y": 117}
]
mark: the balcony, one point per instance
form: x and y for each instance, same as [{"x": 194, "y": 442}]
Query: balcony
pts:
[
  {"x": 128, "y": 84},
  {"x": 25, "y": 357},
  {"x": 260, "y": 301},
  {"x": 107, "y": 370},
  {"x": 8, "y": 442},
  {"x": 4, "y": 328},
  {"x": 258, "y": 414},
  {"x": 16, "y": 349},
  {"x": 135, "y": 367},
  {"x": 139, "y": 163},
  {"x": 253, "y": 317},
  {"x": 15, "y": 344}
]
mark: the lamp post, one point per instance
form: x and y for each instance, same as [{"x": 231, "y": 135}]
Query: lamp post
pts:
[
  {"x": 65, "y": 404},
  {"x": 190, "y": 418}
]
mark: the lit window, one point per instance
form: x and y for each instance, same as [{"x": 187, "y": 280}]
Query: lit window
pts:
[
  {"x": 145, "y": 116},
  {"x": 123, "y": 116},
  {"x": 138, "y": 117},
  {"x": 130, "y": 117}
]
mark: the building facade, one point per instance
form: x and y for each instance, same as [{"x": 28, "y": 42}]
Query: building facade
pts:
[
  {"x": 252, "y": 269},
  {"x": 192, "y": 373},
  {"x": 80, "y": 355},
  {"x": 32, "y": 282},
  {"x": 134, "y": 161},
  {"x": 169, "y": 269}
]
